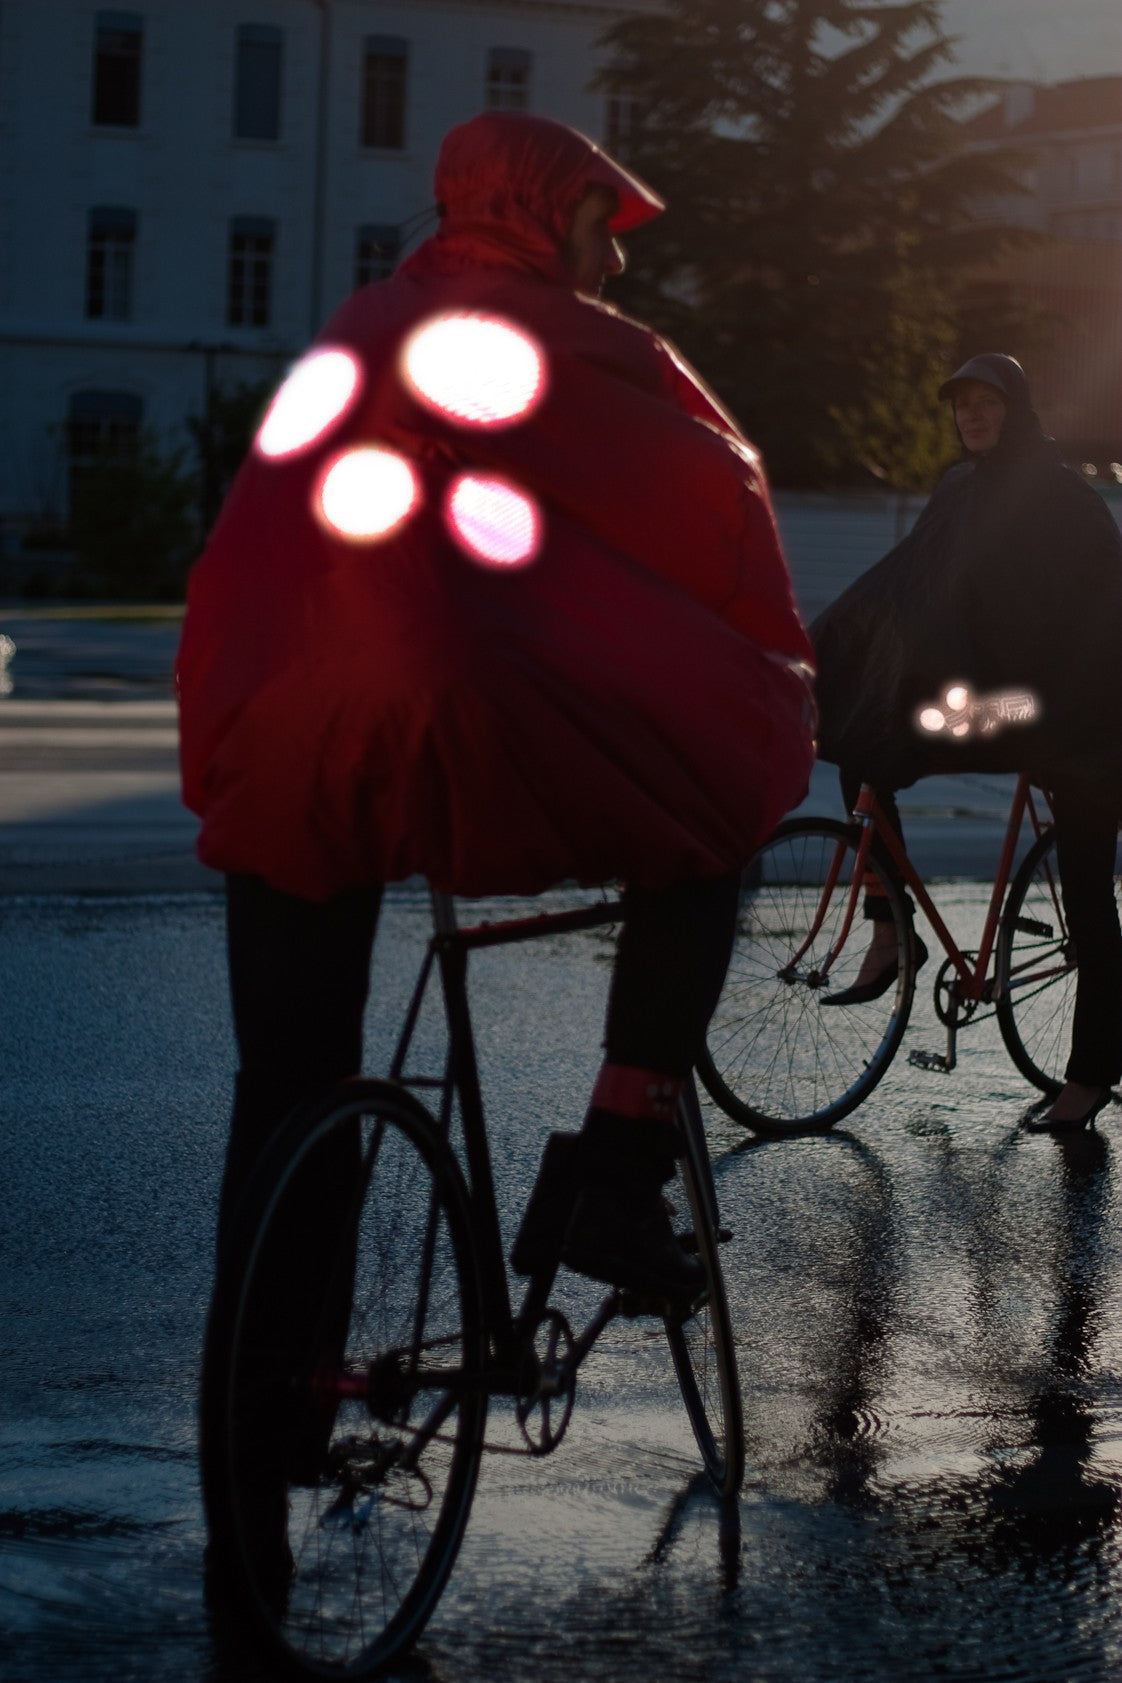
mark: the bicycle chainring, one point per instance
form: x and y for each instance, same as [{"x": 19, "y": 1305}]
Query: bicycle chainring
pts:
[
  {"x": 547, "y": 1384},
  {"x": 949, "y": 1008}
]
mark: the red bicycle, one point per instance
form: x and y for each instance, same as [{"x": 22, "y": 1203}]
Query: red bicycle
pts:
[{"x": 780, "y": 1063}]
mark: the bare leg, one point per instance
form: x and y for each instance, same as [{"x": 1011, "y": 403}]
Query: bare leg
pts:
[
  {"x": 883, "y": 952},
  {"x": 1072, "y": 1101}
]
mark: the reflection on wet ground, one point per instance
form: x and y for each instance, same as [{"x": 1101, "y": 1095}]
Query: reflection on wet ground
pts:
[{"x": 927, "y": 1304}]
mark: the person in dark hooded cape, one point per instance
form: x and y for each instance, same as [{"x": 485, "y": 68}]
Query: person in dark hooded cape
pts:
[
  {"x": 1010, "y": 583},
  {"x": 496, "y": 598}
]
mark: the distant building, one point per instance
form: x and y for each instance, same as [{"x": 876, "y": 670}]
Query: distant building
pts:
[
  {"x": 187, "y": 190},
  {"x": 1070, "y": 135}
]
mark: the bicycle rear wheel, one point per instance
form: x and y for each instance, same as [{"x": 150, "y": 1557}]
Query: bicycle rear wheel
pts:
[
  {"x": 347, "y": 1428},
  {"x": 1036, "y": 959},
  {"x": 779, "y": 1057},
  {"x": 702, "y": 1343}
]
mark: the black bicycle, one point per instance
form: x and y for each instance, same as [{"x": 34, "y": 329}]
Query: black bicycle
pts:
[{"x": 347, "y": 1382}]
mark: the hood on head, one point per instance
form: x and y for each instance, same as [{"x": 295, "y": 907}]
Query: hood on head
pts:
[
  {"x": 995, "y": 369},
  {"x": 507, "y": 184},
  {"x": 542, "y": 165},
  {"x": 1021, "y": 431}
]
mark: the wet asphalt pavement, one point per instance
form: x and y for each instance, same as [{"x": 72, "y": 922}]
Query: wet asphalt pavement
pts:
[{"x": 928, "y": 1306}]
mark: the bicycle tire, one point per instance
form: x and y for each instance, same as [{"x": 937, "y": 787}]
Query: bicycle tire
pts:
[
  {"x": 1036, "y": 964},
  {"x": 339, "y": 1482},
  {"x": 702, "y": 1344},
  {"x": 775, "y": 1059}
]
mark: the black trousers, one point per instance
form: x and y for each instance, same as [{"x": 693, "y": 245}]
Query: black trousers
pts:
[
  {"x": 1086, "y": 841},
  {"x": 1087, "y": 818},
  {"x": 299, "y": 979}
]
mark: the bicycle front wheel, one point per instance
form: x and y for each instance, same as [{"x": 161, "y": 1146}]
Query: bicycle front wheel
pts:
[
  {"x": 779, "y": 1056},
  {"x": 701, "y": 1344},
  {"x": 1036, "y": 961},
  {"x": 353, "y": 1410}
]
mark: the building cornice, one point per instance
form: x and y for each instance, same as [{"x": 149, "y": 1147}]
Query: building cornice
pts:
[
  {"x": 586, "y": 8},
  {"x": 169, "y": 344}
]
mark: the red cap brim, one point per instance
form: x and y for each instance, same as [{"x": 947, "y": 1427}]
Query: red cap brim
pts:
[{"x": 638, "y": 203}]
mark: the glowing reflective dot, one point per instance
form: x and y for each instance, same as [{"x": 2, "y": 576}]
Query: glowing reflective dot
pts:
[
  {"x": 493, "y": 521},
  {"x": 476, "y": 369},
  {"x": 961, "y": 730},
  {"x": 368, "y": 493},
  {"x": 958, "y": 697},
  {"x": 316, "y": 394},
  {"x": 932, "y": 719}
]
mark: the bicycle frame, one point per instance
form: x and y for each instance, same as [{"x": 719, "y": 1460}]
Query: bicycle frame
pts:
[
  {"x": 972, "y": 978},
  {"x": 448, "y": 950}
]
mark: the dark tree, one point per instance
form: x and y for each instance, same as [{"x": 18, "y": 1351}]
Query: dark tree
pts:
[
  {"x": 223, "y": 434},
  {"x": 133, "y": 524},
  {"x": 818, "y": 220}
]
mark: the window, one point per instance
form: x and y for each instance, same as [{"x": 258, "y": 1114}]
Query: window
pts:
[
  {"x": 376, "y": 251},
  {"x": 508, "y": 79},
  {"x": 110, "y": 245},
  {"x": 384, "y": 68},
  {"x": 257, "y": 82},
  {"x": 99, "y": 423},
  {"x": 116, "y": 70},
  {"x": 250, "y": 275}
]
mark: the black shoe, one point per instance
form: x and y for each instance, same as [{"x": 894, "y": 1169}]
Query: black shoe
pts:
[
  {"x": 1037, "y": 1123},
  {"x": 861, "y": 992},
  {"x": 623, "y": 1236},
  {"x": 537, "y": 1244}
]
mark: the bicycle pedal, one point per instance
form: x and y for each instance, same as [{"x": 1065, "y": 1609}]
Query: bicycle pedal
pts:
[
  {"x": 1031, "y": 926},
  {"x": 688, "y": 1241},
  {"x": 634, "y": 1304},
  {"x": 931, "y": 1060}
]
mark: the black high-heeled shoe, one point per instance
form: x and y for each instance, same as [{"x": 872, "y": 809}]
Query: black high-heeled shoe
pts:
[
  {"x": 1041, "y": 1124},
  {"x": 860, "y": 992}
]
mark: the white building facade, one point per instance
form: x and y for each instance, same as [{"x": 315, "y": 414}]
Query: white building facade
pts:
[{"x": 189, "y": 187}]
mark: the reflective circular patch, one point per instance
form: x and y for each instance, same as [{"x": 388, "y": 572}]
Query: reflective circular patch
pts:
[
  {"x": 493, "y": 521},
  {"x": 476, "y": 369},
  {"x": 317, "y": 393},
  {"x": 367, "y": 493}
]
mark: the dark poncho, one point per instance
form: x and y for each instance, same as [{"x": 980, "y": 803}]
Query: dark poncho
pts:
[{"x": 1010, "y": 579}]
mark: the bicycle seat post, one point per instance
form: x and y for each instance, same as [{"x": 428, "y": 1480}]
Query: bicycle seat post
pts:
[
  {"x": 865, "y": 806},
  {"x": 443, "y": 912}
]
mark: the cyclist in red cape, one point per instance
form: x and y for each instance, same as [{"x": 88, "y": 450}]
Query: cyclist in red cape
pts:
[{"x": 629, "y": 698}]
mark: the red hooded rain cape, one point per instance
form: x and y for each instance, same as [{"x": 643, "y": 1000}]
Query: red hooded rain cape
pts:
[{"x": 630, "y": 700}]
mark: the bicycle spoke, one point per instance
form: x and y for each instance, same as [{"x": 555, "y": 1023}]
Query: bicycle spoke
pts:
[
  {"x": 337, "y": 1414},
  {"x": 779, "y": 1057},
  {"x": 1035, "y": 958},
  {"x": 701, "y": 1344}
]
